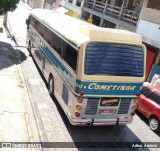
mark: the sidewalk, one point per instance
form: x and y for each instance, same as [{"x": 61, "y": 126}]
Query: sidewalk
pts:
[
  {"x": 17, "y": 121},
  {"x": 14, "y": 126}
]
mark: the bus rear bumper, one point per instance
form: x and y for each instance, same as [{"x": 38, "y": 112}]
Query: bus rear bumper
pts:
[{"x": 99, "y": 122}]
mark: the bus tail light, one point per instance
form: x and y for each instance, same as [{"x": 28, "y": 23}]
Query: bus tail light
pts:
[
  {"x": 80, "y": 100},
  {"x": 81, "y": 93},
  {"x": 134, "y": 107},
  {"x": 77, "y": 114},
  {"x": 78, "y": 107}
]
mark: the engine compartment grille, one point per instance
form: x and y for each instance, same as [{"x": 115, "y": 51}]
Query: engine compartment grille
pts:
[
  {"x": 124, "y": 106},
  {"x": 92, "y": 105}
]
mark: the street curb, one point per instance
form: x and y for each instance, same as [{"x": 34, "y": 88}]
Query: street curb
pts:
[
  {"x": 29, "y": 116},
  {"x": 29, "y": 128},
  {"x": 32, "y": 127}
]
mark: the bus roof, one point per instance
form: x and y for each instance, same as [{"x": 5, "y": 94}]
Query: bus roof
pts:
[{"x": 78, "y": 32}]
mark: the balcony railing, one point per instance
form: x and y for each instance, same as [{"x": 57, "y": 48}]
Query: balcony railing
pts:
[
  {"x": 89, "y": 4},
  {"x": 116, "y": 12}
]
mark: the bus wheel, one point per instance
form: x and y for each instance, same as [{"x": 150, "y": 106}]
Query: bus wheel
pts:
[
  {"x": 154, "y": 124},
  {"x": 51, "y": 85}
]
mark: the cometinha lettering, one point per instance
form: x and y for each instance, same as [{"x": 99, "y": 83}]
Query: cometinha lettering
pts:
[{"x": 95, "y": 86}]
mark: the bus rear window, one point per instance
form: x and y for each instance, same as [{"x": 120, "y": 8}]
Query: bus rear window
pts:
[{"x": 114, "y": 59}]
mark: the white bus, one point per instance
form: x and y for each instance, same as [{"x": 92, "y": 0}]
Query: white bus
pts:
[{"x": 93, "y": 72}]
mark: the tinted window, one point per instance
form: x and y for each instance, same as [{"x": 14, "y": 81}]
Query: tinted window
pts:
[
  {"x": 114, "y": 59},
  {"x": 48, "y": 36},
  {"x": 32, "y": 21},
  {"x": 39, "y": 27},
  {"x": 155, "y": 97},
  {"x": 57, "y": 43},
  {"x": 64, "y": 49},
  {"x": 70, "y": 57}
]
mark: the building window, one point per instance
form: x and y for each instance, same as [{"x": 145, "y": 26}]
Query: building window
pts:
[
  {"x": 78, "y": 3},
  {"x": 154, "y": 4},
  {"x": 70, "y": 1}
]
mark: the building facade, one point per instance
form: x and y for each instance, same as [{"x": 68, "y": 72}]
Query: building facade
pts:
[
  {"x": 35, "y": 3},
  {"x": 120, "y": 14},
  {"x": 47, "y": 4},
  {"x": 149, "y": 22},
  {"x": 74, "y": 7},
  {"x": 51, "y": 4},
  {"x": 149, "y": 27}
]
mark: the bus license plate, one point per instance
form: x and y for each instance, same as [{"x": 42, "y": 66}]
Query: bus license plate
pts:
[{"x": 107, "y": 111}]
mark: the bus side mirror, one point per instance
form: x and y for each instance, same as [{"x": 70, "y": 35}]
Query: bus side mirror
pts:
[{"x": 27, "y": 22}]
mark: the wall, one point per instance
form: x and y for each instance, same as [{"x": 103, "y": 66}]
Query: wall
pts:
[
  {"x": 125, "y": 28},
  {"x": 36, "y": 3},
  {"x": 149, "y": 14},
  {"x": 149, "y": 24},
  {"x": 72, "y": 6}
]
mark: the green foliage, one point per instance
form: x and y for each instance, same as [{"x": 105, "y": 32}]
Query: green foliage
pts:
[{"x": 7, "y": 5}]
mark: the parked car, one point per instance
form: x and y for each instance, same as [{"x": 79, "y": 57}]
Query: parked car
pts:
[{"x": 148, "y": 103}]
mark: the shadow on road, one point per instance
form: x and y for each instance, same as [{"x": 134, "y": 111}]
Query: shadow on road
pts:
[
  {"x": 102, "y": 134},
  {"x": 10, "y": 55}
]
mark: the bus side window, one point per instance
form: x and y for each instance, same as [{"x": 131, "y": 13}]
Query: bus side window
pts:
[
  {"x": 70, "y": 57},
  {"x": 63, "y": 49},
  {"x": 41, "y": 30},
  {"x": 36, "y": 24},
  {"x": 33, "y": 22},
  {"x": 56, "y": 43},
  {"x": 39, "y": 27},
  {"x": 48, "y": 36}
]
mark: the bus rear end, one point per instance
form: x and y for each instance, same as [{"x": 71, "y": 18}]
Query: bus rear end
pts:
[{"x": 109, "y": 76}]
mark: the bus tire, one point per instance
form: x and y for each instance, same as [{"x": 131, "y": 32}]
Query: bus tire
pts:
[{"x": 51, "y": 85}]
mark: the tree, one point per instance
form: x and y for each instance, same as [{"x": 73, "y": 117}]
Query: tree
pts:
[{"x": 8, "y": 5}]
